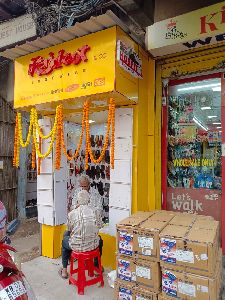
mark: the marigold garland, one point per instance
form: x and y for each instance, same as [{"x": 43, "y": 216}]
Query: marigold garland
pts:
[
  {"x": 111, "y": 121},
  {"x": 39, "y": 159},
  {"x": 52, "y": 138},
  {"x": 57, "y": 133},
  {"x": 20, "y": 129},
  {"x": 33, "y": 157},
  {"x": 112, "y": 154},
  {"x": 59, "y": 129},
  {"x": 77, "y": 151},
  {"x": 16, "y": 145}
]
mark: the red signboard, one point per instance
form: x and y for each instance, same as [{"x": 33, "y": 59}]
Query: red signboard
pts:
[{"x": 200, "y": 201}]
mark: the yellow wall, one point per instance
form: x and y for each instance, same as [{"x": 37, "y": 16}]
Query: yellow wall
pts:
[{"x": 143, "y": 184}]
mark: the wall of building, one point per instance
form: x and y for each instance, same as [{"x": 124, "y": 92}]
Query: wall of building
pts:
[{"x": 7, "y": 80}]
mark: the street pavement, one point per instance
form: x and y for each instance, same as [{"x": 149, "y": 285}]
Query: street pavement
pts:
[{"x": 42, "y": 274}]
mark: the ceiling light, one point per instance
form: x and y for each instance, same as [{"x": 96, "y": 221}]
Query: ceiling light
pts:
[
  {"x": 200, "y": 124},
  {"x": 199, "y": 87},
  {"x": 216, "y": 89},
  {"x": 91, "y": 121},
  {"x": 217, "y": 123},
  {"x": 210, "y": 117},
  {"x": 218, "y": 127},
  {"x": 205, "y": 107}
]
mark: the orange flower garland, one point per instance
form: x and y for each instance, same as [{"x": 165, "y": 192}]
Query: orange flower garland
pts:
[
  {"x": 39, "y": 159},
  {"x": 111, "y": 120},
  {"x": 33, "y": 157},
  {"x": 16, "y": 145},
  {"x": 113, "y": 137},
  {"x": 77, "y": 151},
  {"x": 59, "y": 130}
]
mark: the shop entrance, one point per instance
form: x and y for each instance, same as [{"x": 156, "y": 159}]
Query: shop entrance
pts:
[
  {"x": 192, "y": 134},
  {"x": 56, "y": 188}
]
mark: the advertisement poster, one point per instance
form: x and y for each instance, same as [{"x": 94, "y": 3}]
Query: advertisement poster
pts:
[{"x": 197, "y": 201}]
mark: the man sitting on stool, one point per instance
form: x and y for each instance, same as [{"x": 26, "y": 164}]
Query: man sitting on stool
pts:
[{"x": 82, "y": 234}]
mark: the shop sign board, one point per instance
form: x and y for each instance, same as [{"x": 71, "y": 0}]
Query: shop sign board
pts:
[
  {"x": 98, "y": 63},
  {"x": 198, "y": 201},
  {"x": 130, "y": 63},
  {"x": 17, "y": 30},
  {"x": 129, "y": 60},
  {"x": 81, "y": 67},
  {"x": 195, "y": 29}
]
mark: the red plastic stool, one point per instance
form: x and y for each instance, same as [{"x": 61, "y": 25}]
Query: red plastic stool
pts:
[{"x": 85, "y": 263}]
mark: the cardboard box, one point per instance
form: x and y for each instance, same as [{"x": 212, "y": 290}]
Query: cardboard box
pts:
[
  {"x": 162, "y": 297},
  {"x": 125, "y": 232},
  {"x": 146, "y": 239},
  {"x": 186, "y": 286},
  {"x": 163, "y": 215},
  {"x": 124, "y": 290},
  {"x": 144, "y": 294},
  {"x": 193, "y": 248},
  {"x": 141, "y": 272},
  {"x": 183, "y": 220},
  {"x": 146, "y": 235}
]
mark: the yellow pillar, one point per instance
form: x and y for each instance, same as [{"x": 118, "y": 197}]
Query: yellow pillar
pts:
[
  {"x": 143, "y": 182},
  {"x": 157, "y": 131},
  {"x": 51, "y": 240}
]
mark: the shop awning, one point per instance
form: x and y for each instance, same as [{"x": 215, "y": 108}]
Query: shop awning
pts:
[{"x": 91, "y": 25}]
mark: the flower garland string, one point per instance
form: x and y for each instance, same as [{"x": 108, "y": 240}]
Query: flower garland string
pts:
[
  {"x": 33, "y": 157},
  {"x": 16, "y": 150},
  {"x": 59, "y": 130},
  {"x": 86, "y": 133},
  {"x": 52, "y": 138},
  {"x": 112, "y": 135},
  {"x": 111, "y": 120},
  {"x": 77, "y": 151},
  {"x": 39, "y": 159},
  {"x": 20, "y": 129},
  {"x": 40, "y": 133}
]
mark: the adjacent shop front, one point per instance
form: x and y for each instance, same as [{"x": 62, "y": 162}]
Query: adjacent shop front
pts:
[
  {"x": 190, "y": 55},
  {"x": 89, "y": 101}
]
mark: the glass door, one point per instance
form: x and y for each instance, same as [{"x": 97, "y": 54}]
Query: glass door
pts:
[{"x": 193, "y": 174}]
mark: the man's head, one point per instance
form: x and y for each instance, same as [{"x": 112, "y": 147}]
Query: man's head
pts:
[
  {"x": 85, "y": 183},
  {"x": 83, "y": 198}
]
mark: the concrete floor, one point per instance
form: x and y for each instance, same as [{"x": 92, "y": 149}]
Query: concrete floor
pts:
[{"x": 42, "y": 273}]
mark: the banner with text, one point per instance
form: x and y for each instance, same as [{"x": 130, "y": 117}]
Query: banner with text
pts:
[
  {"x": 195, "y": 29},
  {"x": 80, "y": 67},
  {"x": 200, "y": 201}
]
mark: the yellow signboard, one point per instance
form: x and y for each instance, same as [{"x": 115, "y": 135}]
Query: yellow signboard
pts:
[
  {"x": 195, "y": 29},
  {"x": 81, "y": 67}
]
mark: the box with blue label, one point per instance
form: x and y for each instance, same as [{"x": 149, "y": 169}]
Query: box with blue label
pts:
[
  {"x": 144, "y": 274},
  {"x": 192, "y": 248},
  {"x": 144, "y": 294},
  {"x": 187, "y": 286},
  {"x": 128, "y": 291},
  {"x": 146, "y": 239},
  {"x": 124, "y": 290},
  {"x": 125, "y": 232}
]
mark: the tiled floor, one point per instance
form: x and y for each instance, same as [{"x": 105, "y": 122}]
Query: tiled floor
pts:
[{"x": 42, "y": 273}]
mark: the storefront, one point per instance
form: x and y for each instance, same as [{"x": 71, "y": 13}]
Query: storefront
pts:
[
  {"x": 190, "y": 54},
  {"x": 79, "y": 94}
]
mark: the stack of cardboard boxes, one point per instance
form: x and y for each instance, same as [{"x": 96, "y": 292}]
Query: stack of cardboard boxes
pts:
[{"x": 164, "y": 255}]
